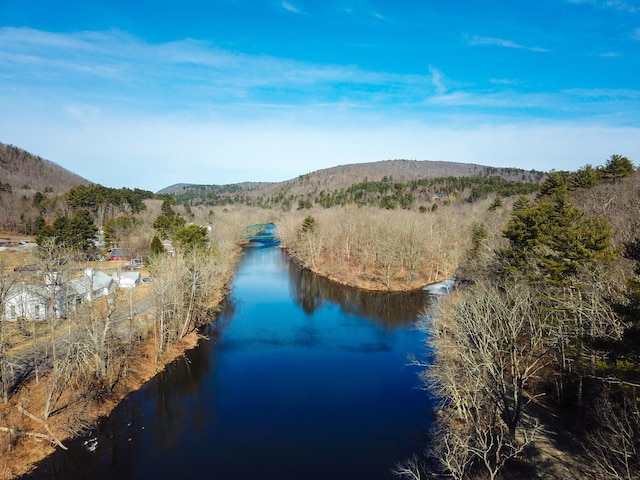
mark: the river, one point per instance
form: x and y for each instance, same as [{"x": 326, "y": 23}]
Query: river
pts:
[{"x": 299, "y": 379}]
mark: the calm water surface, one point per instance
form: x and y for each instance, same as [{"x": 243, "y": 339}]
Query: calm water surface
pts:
[{"x": 299, "y": 379}]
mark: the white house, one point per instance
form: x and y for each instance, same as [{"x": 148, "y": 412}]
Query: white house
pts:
[
  {"x": 28, "y": 301},
  {"x": 90, "y": 286},
  {"x": 127, "y": 279}
]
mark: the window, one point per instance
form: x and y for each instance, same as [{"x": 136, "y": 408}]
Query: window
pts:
[
  {"x": 13, "y": 312},
  {"x": 37, "y": 312}
]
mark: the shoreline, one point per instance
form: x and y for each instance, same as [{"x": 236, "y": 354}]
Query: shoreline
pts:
[
  {"x": 30, "y": 439},
  {"x": 372, "y": 286},
  {"x": 28, "y": 450}
]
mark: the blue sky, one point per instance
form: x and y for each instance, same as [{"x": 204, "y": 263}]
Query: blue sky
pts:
[{"x": 147, "y": 94}]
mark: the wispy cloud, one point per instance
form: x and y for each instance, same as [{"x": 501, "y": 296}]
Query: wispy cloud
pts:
[
  {"x": 362, "y": 8},
  {"x": 610, "y": 55},
  {"x": 500, "y": 42},
  {"x": 611, "y": 4},
  {"x": 622, "y": 5},
  {"x": 290, "y": 8},
  {"x": 191, "y": 99},
  {"x": 104, "y": 70},
  {"x": 437, "y": 79},
  {"x": 114, "y": 65},
  {"x": 636, "y": 34}
]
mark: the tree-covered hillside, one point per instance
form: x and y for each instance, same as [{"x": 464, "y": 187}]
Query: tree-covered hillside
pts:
[{"x": 388, "y": 184}]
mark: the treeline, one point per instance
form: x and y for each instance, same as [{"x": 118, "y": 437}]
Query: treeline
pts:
[
  {"x": 209, "y": 195},
  {"x": 75, "y": 217},
  {"x": 547, "y": 316},
  {"x": 390, "y": 195},
  {"x": 385, "y": 193}
]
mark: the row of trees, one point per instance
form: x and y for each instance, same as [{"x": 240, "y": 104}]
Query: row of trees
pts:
[{"x": 544, "y": 317}]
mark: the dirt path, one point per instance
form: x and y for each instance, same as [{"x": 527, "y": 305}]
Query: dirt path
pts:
[{"x": 556, "y": 454}]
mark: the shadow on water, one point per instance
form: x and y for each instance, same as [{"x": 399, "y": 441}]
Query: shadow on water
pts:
[
  {"x": 388, "y": 310},
  {"x": 299, "y": 378}
]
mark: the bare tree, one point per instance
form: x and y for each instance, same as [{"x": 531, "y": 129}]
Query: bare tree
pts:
[
  {"x": 614, "y": 445},
  {"x": 52, "y": 259},
  {"x": 489, "y": 344},
  {"x": 6, "y": 372}
]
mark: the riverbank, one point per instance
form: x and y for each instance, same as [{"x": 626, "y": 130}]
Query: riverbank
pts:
[
  {"x": 32, "y": 439},
  {"x": 352, "y": 276},
  {"x": 80, "y": 398}
]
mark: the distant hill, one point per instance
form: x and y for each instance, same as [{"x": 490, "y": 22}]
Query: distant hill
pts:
[
  {"x": 25, "y": 171},
  {"x": 22, "y": 175},
  {"x": 179, "y": 188},
  {"x": 314, "y": 187}
]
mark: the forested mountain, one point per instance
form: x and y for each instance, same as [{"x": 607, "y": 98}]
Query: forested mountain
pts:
[
  {"x": 25, "y": 171},
  {"x": 22, "y": 176},
  {"x": 388, "y": 184}
]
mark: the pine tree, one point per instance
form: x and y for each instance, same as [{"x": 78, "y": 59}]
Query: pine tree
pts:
[
  {"x": 156, "y": 247},
  {"x": 617, "y": 167},
  {"x": 192, "y": 237},
  {"x": 551, "y": 240}
]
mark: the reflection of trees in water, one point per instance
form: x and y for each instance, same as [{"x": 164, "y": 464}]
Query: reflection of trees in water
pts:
[
  {"x": 390, "y": 310},
  {"x": 165, "y": 406}
]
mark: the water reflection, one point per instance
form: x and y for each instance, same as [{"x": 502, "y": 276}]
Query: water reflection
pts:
[
  {"x": 389, "y": 310},
  {"x": 298, "y": 378}
]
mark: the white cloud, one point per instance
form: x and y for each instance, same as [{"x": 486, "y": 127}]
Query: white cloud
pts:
[
  {"x": 153, "y": 152},
  {"x": 290, "y": 8},
  {"x": 499, "y": 42},
  {"x": 636, "y": 34},
  {"x": 437, "y": 79},
  {"x": 150, "y": 115},
  {"x": 610, "y": 55}
]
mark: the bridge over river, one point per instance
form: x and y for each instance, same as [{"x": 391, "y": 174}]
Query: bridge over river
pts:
[{"x": 262, "y": 234}]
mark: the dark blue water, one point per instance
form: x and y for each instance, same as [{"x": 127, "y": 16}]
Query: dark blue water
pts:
[{"x": 299, "y": 379}]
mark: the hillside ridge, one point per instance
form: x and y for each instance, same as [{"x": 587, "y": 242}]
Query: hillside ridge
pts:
[
  {"x": 343, "y": 175},
  {"x": 404, "y": 182},
  {"x": 22, "y": 176}
]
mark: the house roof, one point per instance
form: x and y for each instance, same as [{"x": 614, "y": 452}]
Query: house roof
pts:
[
  {"x": 91, "y": 282},
  {"x": 39, "y": 291},
  {"x": 120, "y": 252},
  {"x": 126, "y": 277}
]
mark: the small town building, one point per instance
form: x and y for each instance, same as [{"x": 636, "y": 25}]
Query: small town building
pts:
[
  {"x": 26, "y": 301},
  {"x": 90, "y": 286},
  {"x": 120, "y": 255},
  {"x": 127, "y": 279}
]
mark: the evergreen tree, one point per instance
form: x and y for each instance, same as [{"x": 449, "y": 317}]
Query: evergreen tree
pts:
[
  {"x": 166, "y": 209},
  {"x": 551, "y": 241},
  {"x": 156, "y": 248},
  {"x": 555, "y": 185},
  {"x": 167, "y": 226},
  {"x": 77, "y": 232},
  {"x": 192, "y": 237},
  {"x": 617, "y": 167},
  {"x": 82, "y": 230},
  {"x": 308, "y": 225},
  {"x": 585, "y": 177}
]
